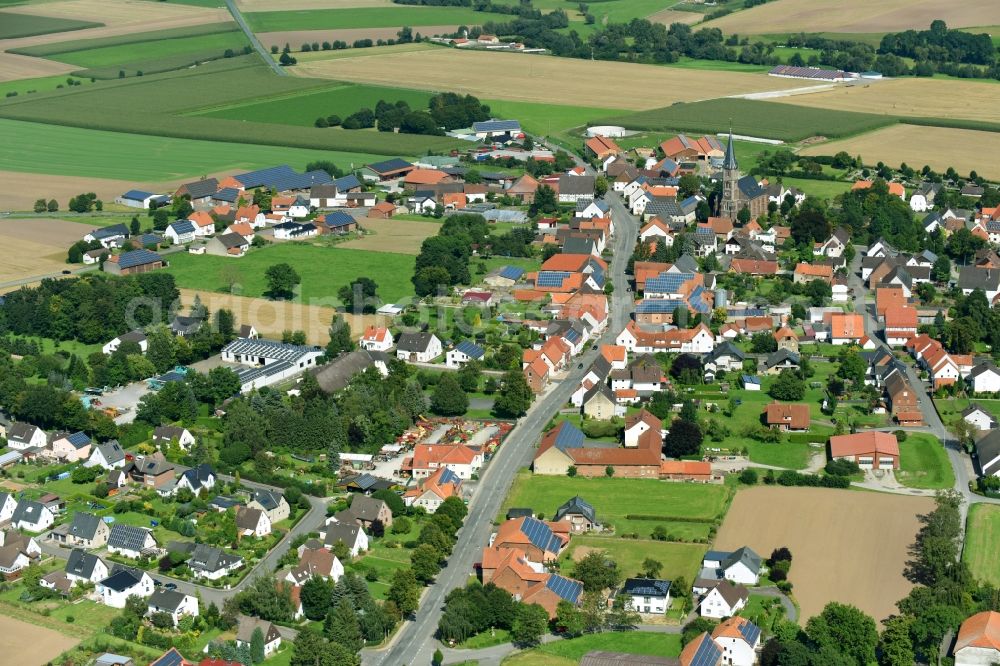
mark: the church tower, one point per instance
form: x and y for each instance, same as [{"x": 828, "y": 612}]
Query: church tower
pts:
[{"x": 729, "y": 205}]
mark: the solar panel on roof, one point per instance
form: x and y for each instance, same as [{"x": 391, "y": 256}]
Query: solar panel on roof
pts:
[
  {"x": 137, "y": 258},
  {"x": 551, "y": 278},
  {"x": 569, "y": 437},
  {"x": 511, "y": 272},
  {"x": 389, "y": 165},
  {"x": 470, "y": 348},
  {"x": 750, "y": 632},
  {"x": 448, "y": 476},
  {"x": 667, "y": 283},
  {"x": 708, "y": 653},
  {"x": 540, "y": 534},
  {"x": 564, "y": 587},
  {"x": 659, "y": 306}
]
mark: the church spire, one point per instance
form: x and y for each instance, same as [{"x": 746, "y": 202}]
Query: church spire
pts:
[{"x": 730, "y": 162}]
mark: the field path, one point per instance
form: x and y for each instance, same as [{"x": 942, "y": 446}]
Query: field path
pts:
[{"x": 258, "y": 47}]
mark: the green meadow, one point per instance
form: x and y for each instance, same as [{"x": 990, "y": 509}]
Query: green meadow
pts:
[
  {"x": 28, "y": 25},
  {"x": 366, "y": 17},
  {"x": 115, "y": 55}
]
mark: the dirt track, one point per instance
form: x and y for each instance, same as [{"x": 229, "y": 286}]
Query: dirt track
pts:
[
  {"x": 857, "y": 16},
  {"x": 846, "y": 546}
]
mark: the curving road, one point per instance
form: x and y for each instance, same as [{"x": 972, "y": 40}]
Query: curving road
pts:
[{"x": 414, "y": 643}]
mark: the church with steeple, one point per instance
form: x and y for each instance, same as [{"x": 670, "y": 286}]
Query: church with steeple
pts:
[{"x": 739, "y": 192}]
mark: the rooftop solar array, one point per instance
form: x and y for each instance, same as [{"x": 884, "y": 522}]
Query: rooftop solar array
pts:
[
  {"x": 708, "y": 653},
  {"x": 551, "y": 278},
  {"x": 78, "y": 439},
  {"x": 449, "y": 476},
  {"x": 659, "y": 305},
  {"x": 569, "y": 437},
  {"x": 699, "y": 301},
  {"x": 808, "y": 72},
  {"x": 283, "y": 178},
  {"x": 248, "y": 375},
  {"x": 338, "y": 219},
  {"x": 511, "y": 272},
  {"x": 127, "y": 536},
  {"x": 269, "y": 349},
  {"x": 181, "y": 227},
  {"x": 229, "y": 194},
  {"x": 137, "y": 258},
  {"x": 750, "y": 632},
  {"x": 470, "y": 349},
  {"x": 649, "y": 587},
  {"x": 390, "y": 165},
  {"x": 348, "y": 182},
  {"x": 667, "y": 283},
  {"x": 497, "y": 126},
  {"x": 566, "y": 588},
  {"x": 109, "y": 232},
  {"x": 540, "y": 535},
  {"x": 137, "y": 195}
]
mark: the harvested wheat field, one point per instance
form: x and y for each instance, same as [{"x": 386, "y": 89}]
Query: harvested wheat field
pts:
[
  {"x": 781, "y": 16},
  {"x": 20, "y": 190},
  {"x": 35, "y": 247},
  {"x": 270, "y": 318},
  {"x": 919, "y": 98},
  {"x": 938, "y": 147},
  {"x": 15, "y": 67},
  {"x": 296, "y": 38},
  {"x": 542, "y": 79},
  {"x": 669, "y": 16},
  {"x": 291, "y": 5},
  {"x": 400, "y": 236},
  {"x": 25, "y": 643},
  {"x": 846, "y": 546},
  {"x": 120, "y": 17}
]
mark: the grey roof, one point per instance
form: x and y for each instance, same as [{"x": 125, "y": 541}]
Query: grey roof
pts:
[
  {"x": 599, "y": 388},
  {"x": 247, "y": 518},
  {"x": 81, "y": 563},
  {"x": 21, "y": 432},
  {"x": 647, "y": 587},
  {"x": 200, "y": 189},
  {"x": 576, "y": 185},
  {"x": 496, "y": 126},
  {"x": 414, "y": 342},
  {"x": 726, "y": 348},
  {"x": 348, "y": 182},
  {"x": 749, "y": 186},
  {"x": 108, "y": 659},
  {"x": 199, "y": 476},
  {"x": 779, "y": 357},
  {"x": 982, "y": 368},
  {"x": 686, "y": 264},
  {"x": 167, "y": 432},
  {"x": 28, "y": 511},
  {"x": 182, "y": 227},
  {"x": 732, "y": 593},
  {"x": 973, "y": 277},
  {"x": 231, "y": 240},
  {"x": 366, "y": 508},
  {"x": 270, "y": 349},
  {"x": 345, "y": 532},
  {"x": 730, "y": 160},
  {"x": 110, "y": 231},
  {"x": 128, "y": 537},
  {"x": 268, "y": 499},
  {"x": 247, "y": 625},
  {"x": 122, "y": 578},
  {"x": 282, "y": 178},
  {"x": 206, "y": 558},
  {"x": 111, "y": 451},
  {"x": 138, "y": 258},
  {"x": 154, "y": 465},
  {"x": 84, "y": 525},
  {"x": 578, "y": 245},
  {"x": 389, "y": 165},
  {"x": 988, "y": 453},
  {"x": 167, "y": 599},
  {"x": 746, "y": 555},
  {"x": 576, "y": 506}
]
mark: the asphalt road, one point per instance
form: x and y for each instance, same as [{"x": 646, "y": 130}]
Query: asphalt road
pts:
[
  {"x": 415, "y": 642},
  {"x": 258, "y": 47}
]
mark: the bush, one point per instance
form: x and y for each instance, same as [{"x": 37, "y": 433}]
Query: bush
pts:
[
  {"x": 748, "y": 477},
  {"x": 900, "y": 435},
  {"x": 842, "y": 468}
]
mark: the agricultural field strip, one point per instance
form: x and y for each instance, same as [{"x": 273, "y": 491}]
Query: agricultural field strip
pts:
[
  {"x": 17, "y": 25},
  {"x": 367, "y": 17},
  {"x": 209, "y": 45},
  {"x": 60, "y": 48}
]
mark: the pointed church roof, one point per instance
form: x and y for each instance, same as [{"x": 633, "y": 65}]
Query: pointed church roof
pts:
[{"x": 730, "y": 161}]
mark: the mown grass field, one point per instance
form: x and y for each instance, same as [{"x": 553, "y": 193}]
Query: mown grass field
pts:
[
  {"x": 154, "y": 104},
  {"x": 571, "y": 651},
  {"x": 366, "y": 17},
  {"x": 546, "y": 119},
  {"x": 122, "y": 54},
  {"x": 38, "y": 84},
  {"x": 678, "y": 559},
  {"x": 28, "y": 25},
  {"x": 323, "y": 270},
  {"x": 982, "y": 539},
  {"x": 824, "y": 189},
  {"x": 69, "y": 151},
  {"x": 752, "y": 118},
  {"x": 923, "y": 463}
]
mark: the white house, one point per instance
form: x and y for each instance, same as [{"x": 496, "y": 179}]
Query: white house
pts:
[
  {"x": 377, "y": 338},
  {"x": 108, "y": 455},
  {"x": 130, "y": 541},
  {"x": 649, "y": 596},
  {"x": 124, "y": 582},
  {"x": 923, "y": 197},
  {"x": 173, "y": 603},
  {"x": 7, "y": 506},
  {"x": 245, "y": 630},
  {"x": 978, "y": 417},
  {"x": 723, "y": 600},
  {"x": 22, "y": 436},
  {"x": 84, "y": 567},
  {"x": 133, "y": 336},
  {"x": 315, "y": 560},
  {"x": 351, "y": 535},
  {"x": 739, "y": 566},
  {"x": 978, "y": 642},
  {"x": 12, "y": 560},
  {"x": 167, "y": 434},
  {"x": 739, "y": 640},
  {"x": 418, "y": 347},
  {"x": 197, "y": 479},
  {"x": 209, "y": 562},
  {"x": 464, "y": 352},
  {"x": 985, "y": 378},
  {"x": 273, "y": 504},
  {"x": 181, "y": 232},
  {"x": 32, "y": 516},
  {"x": 252, "y": 522}
]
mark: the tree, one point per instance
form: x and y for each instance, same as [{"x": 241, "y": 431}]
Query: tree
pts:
[
  {"x": 895, "y": 646},
  {"x": 469, "y": 374},
  {"x": 428, "y": 280},
  {"x": 545, "y": 201},
  {"x": 340, "y": 338},
  {"x": 695, "y": 628},
  {"x": 941, "y": 272},
  {"x": 359, "y": 297},
  {"x": 600, "y": 186},
  {"x": 52, "y": 206},
  {"x": 281, "y": 280},
  {"x": 818, "y": 292},
  {"x": 316, "y": 596},
  {"x": 39, "y": 206},
  {"x": 404, "y": 591},
  {"x": 688, "y": 185},
  {"x": 530, "y": 624},
  {"x": 515, "y": 396},
  {"x": 342, "y": 626},
  {"x": 426, "y": 562},
  {"x": 788, "y": 386},
  {"x": 597, "y": 572},
  {"x": 748, "y": 476},
  {"x": 651, "y": 568},
  {"x": 257, "y": 645},
  {"x": 845, "y": 629},
  {"x": 569, "y": 619},
  {"x": 852, "y": 366},
  {"x": 763, "y": 343},
  {"x": 683, "y": 439},
  {"x": 448, "y": 398}
]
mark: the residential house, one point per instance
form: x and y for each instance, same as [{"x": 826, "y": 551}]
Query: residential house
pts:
[
  {"x": 245, "y": 628},
  {"x": 418, "y": 347},
  {"x": 137, "y": 336},
  {"x": 174, "y": 658},
  {"x": 649, "y": 596},
  {"x": 377, "y": 338},
  {"x": 870, "y": 450},
  {"x": 366, "y": 511},
  {"x": 7, "y": 507},
  {"x": 538, "y": 541},
  {"x": 580, "y": 515},
  {"x": 776, "y": 362},
  {"x": 108, "y": 455},
  {"x": 701, "y": 651},
  {"x": 131, "y": 541},
  {"x": 984, "y": 378},
  {"x": 723, "y": 600},
  {"x": 124, "y": 582},
  {"x": 574, "y": 188},
  {"x": 978, "y": 642},
  {"x": 835, "y": 245},
  {"x": 787, "y": 416},
  {"x": 787, "y": 339},
  {"x": 808, "y": 272},
  {"x": 180, "y": 232},
  {"x": 197, "y": 479},
  {"x": 739, "y": 640},
  {"x": 17, "y": 552},
  {"x": 84, "y": 567},
  {"x": 463, "y": 460},
  {"x": 111, "y": 236},
  {"x": 601, "y": 147},
  {"x": 923, "y": 197},
  {"x": 741, "y": 566},
  {"x": 845, "y": 328},
  {"x": 227, "y": 245},
  {"x": 175, "y": 604},
  {"x": 21, "y": 436},
  {"x": 207, "y": 561},
  {"x": 85, "y": 531},
  {"x": 986, "y": 279},
  {"x": 252, "y": 522},
  {"x": 900, "y": 324},
  {"x": 164, "y": 435},
  {"x": 599, "y": 403},
  {"x": 978, "y": 418},
  {"x": 315, "y": 560},
  {"x": 351, "y": 535},
  {"x": 430, "y": 492},
  {"x": 272, "y": 503},
  {"x": 32, "y": 516},
  {"x": 464, "y": 352}
]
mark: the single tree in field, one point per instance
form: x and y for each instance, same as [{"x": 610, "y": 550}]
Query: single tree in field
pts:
[{"x": 281, "y": 280}]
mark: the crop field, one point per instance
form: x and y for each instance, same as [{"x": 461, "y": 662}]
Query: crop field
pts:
[
  {"x": 924, "y": 463},
  {"x": 22, "y": 189},
  {"x": 907, "y": 97},
  {"x": 304, "y": 109},
  {"x": 296, "y": 38},
  {"x": 268, "y": 5},
  {"x": 855, "y": 16},
  {"x": 670, "y": 16},
  {"x": 939, "y": 147},
  {"x": 982, "y": 541},
  {"x": 28, "y": 25},
  {"x": 752, "y": 118},
  {"x": 68, "y": 151},
  {"x": 16, "y": 67},
  {"x": 35, "y": 247},
  {"x": 526, "y": 78},
  {"x": 399, "y": 236},
  {"x": 323, "y": 269},
  {"x": 153, "y": 105},
  {"x": 848, "y": 546},
  {"x": 270, "y": 318},
  {"x": 367, "y": 17},
  {"x": 26, "y": 643}
]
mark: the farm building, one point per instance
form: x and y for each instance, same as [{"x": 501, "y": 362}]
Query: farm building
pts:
[
  {"x": 387, "y": 170},
  {"x": 130, "y": 263},
  {"x": 268, "y": 361},
  {"x": 978, "y": 641},
  {"x": 870, "y": 450},
  {"x": 813, "y": 73}
]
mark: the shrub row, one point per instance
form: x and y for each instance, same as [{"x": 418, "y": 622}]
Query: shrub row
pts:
[{"x": 670, "y": 519}]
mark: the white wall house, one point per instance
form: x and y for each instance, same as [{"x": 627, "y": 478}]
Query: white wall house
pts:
[
  {"x": 173, "y": 603},
  {"x": 124, "y": 582},
  {"x": 985, "y": 378},
  {"x": 649, "y": 596},
  {"x": 723, "y": 600}
]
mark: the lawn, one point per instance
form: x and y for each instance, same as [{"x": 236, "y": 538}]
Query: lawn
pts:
[
  {"x": 323, "y": 269},
  {"x": 614, "y": 499},
  {"x": 29, "y": 25},
  {"x": 678, "y": 559},
  {"x": 752, "y": 118},
  {"x": 40, "y": 84},
  {"x": 924, "y": 463},
  {"x": 824, "y": 189},
  {"x": 366, "y": 17},
  {"x": 982, "y": 541},
  {"x": 547, "y": 119},
  {"x": 571, "y": 651},
  {"x": 70, "y": 151},
  {"x": 951, "y": 408},
  {"x": 304, "y": 109},
  {"x": 723, "y": 65}
]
